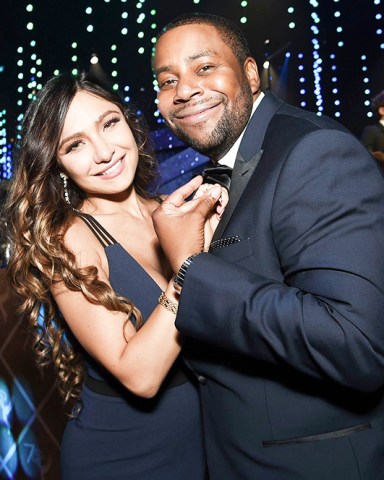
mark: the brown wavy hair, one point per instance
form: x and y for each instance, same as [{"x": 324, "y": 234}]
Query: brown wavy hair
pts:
[{"x": 38, "y": 217}]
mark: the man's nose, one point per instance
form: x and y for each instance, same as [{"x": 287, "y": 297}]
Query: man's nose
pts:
[{"x": 187, "y": 88}]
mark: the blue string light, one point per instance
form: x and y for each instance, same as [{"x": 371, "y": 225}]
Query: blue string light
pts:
[
  {"x": 316, "y": 59},
  {"x": 378, "y": 17}
]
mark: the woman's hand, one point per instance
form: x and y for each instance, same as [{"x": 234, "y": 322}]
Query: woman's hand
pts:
[{"x": 214, "y": 218}]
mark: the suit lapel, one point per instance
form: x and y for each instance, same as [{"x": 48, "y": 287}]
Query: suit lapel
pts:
[{"x": 248, "y": 156}]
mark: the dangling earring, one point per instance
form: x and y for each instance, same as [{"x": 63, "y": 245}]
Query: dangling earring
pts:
[{"x": 65, "y": 185}]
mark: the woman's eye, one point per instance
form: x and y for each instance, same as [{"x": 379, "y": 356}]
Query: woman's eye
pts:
[
  {"x": 111, "y": 122},
  {"x": 73, "y": 146}
]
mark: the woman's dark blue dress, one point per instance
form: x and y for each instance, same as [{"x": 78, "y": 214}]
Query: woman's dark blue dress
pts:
[{"x": 119, "y": 436}]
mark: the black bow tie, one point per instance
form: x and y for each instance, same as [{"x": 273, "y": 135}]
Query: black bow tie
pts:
[{"x": 220, "y": 174}]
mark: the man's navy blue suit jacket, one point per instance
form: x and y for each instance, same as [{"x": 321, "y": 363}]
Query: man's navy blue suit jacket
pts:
[{"x": 286, "y": 327}]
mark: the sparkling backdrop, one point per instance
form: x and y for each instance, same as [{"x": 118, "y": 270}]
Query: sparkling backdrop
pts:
[{"x": 324, "y": 55}]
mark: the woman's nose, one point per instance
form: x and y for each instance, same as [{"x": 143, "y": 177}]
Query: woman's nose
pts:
[{"x": 104, "y": 150}]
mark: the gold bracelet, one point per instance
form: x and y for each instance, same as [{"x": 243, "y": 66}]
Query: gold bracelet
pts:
[{"x": 167, "y": 303}]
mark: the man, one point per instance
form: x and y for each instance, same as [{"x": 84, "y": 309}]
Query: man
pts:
[
  {"x": 373, "y": 135},
  {"x": 284, "y": 316}
]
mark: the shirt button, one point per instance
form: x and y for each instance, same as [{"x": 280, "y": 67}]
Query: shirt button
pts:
[{"x": 202, "y": 380}]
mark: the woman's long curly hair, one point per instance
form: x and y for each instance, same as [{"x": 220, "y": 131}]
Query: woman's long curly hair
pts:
[{"x": 38, "y": 217}]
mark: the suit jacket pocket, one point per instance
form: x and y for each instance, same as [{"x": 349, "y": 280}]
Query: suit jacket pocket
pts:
[
  {"x": 316, "y": 438},
  {"x": 236, "y": 251}
]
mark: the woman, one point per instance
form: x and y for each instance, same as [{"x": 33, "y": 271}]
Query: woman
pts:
[{"x": 84, "y": 249}]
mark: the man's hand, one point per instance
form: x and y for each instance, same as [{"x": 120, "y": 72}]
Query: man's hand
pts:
[{"x": 179, "y": 225}]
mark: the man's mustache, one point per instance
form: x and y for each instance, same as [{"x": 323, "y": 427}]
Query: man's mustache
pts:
[{"x": 189, "y": 105}]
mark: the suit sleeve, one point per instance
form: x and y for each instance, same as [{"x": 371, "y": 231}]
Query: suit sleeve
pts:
[{"x": 326, "y": 319}]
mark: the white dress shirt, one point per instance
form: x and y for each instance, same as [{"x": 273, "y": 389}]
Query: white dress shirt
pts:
[{"x": 230, "y": 157}]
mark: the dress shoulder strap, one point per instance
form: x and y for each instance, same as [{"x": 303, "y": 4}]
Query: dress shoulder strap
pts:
[{"x": 104, "y": 237}]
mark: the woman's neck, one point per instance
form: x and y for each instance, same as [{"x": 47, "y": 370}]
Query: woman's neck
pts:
[{"x": 126, "y": 202}]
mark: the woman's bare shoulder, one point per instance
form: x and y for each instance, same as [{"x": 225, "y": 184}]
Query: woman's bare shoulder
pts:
[{"x": 82, "y": 242}]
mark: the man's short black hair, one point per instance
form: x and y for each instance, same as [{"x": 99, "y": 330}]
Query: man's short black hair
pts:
[{"x": 229, "y": 32}]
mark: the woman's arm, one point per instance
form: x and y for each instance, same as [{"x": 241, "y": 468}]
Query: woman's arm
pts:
[{"x": 140, "y": 360}]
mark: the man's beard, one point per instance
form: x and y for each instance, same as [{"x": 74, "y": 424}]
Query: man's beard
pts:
[{"x": 215, "y": 144}]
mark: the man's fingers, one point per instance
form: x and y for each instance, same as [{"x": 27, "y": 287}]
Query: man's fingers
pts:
[{"x": 179, "y": 196}]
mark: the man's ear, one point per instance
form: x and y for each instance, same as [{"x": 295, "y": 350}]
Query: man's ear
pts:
[{"x": 252, "y": 74}]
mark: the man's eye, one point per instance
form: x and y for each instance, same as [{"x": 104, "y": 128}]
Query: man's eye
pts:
[
  {"x": 168, "y": 83},
  {"x": 206, "y": 68}
]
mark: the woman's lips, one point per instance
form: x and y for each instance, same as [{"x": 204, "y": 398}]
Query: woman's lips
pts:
[{"x": 113, "y": 171}]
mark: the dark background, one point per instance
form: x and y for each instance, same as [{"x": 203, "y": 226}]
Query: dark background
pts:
[
  {"x": 59, "y": 23},
  {"x": 31, "y": 416}
]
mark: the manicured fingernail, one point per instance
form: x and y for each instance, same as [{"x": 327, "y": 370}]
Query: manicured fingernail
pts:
[{"x": 215, "y": 192}]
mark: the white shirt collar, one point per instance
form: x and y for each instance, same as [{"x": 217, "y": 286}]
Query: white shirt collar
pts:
[
  {"x": 230, "y": 157},
  {"x": 382, "y": 122}
]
